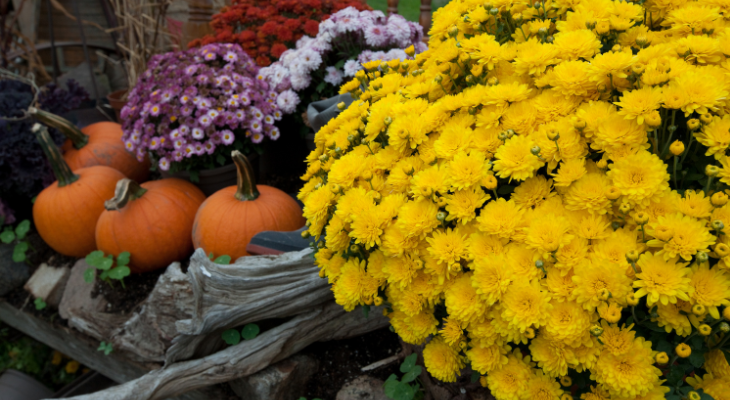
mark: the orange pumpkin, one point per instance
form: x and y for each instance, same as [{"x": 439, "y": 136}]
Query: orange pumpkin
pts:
[
  {"x": 152, "y": 221},
  {"x": 65, "y": 213},
  {"x": 97, "y": 144},
  {"x": 230, "y": 217}
]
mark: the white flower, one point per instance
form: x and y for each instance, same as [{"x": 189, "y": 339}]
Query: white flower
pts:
[
  {"x": 303, "y": 41},
  {"x": 351, "y": 67},
  {"x": 376, "y": 35},
  {"x": 287, "y": 101},
  {"x": 396, "y": 53},
  {"x": 399, "y": 30},
  {"x": 327, "y": 26},
  {"x": 309, "y": 59},
  {"x": 300, "y": 81},
  {"x": 333, "y": 76}
]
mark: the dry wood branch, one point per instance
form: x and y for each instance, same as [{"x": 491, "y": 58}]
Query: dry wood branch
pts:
[{"x": 326, "y": 322}]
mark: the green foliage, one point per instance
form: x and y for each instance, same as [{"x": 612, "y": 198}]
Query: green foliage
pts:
[
  {"x": 223, "y": 260},
  {"x": 233, "y": 337},
  {"x": 105, "y": 347},
  {"x": 40, "y": 304},
  {"x": 403, "y": 389},
  {"x": 409, "y": 9},
  {"x": 17, "y": 236},
  {"x": 106, "y": 264}
]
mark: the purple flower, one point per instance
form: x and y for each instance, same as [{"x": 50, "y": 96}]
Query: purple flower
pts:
[
  {"x": 154, "y": 143},
  {"x": 231, "y": 57},
  {"x": 178, "y": 144},
  {"x": 399, "y": 30},
  {"x": 269, "y": 120},
  {"x": 256, "y": 113},
  {"x": 155, "y": 110},
  {"x": 164, "y": 163},
  {"x": 376, "y": 35},
  {"x": 184, "y": 130},
  {"x": 227, "y": 137},
  {"x": 257, "y": 137},
  {"x": 198, "y": 133},
  {"x": 274, "y": 133},
  {"x": 256, "y": 126},
  {"x": 199, "y": 149},
  {"x": 287, "y": 101},
  {"x": 213, "y": 113},
  {"x": 205, "y": 120}
]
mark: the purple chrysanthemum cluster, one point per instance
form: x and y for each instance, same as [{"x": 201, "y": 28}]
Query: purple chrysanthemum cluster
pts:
[
  {"x": 348, "y": 39},
  {"x": 196, "y": 104}
]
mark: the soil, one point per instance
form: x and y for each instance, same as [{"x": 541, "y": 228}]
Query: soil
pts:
[
  {"x": 24, "y": 301},
  {"x": 340, "y": 361},
  {"x": 42, "y": 253},
  {"x": 123, "y": 300}
]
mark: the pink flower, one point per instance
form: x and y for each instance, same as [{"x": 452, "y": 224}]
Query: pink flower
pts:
[
  {"x": 257, "y": 137},
  {"x": 164, "y": 164},
  {"x": 198, "y": 133},
  {"x": 227, "y": 137}
]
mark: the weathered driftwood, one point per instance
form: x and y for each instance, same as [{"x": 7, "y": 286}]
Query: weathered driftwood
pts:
[
  {"x": 149, "y": 333},
  {"x": 324, "y": 322},
  {"x": 250, "y": 290}
]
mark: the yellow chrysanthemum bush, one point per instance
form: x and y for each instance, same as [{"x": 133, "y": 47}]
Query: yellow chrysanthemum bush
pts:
[{"x": 542, "y": 197}]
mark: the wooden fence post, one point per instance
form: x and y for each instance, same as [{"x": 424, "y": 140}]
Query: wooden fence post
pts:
[
  {"x": 425, "y": 18},
  {"x": 198, "y": 25},
  {"x": 393, "y": 7}
]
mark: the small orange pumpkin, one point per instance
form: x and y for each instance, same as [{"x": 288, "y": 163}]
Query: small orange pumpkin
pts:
[
  {"x": 152, "y": 221},
  {"x": 97, "y": 144},
  {"x": 65, "y": 213},
  {"x": 230, "y": 217}
]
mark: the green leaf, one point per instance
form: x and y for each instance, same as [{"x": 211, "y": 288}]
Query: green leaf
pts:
[
  {"x": 653, "y": 326},
  {"x": 676, "y": 373},
  {"x": 194, "y": 176},
  {"x": 392, "y": 377},
  {"x": 105, "y": 347},
  {"x": 250, "y": 331},
  {"x": 398, "y": 391},
  {"x": 221, "y": 160},
  {"x": 89, "y": 275},
  {"x": 19, "y": 251},
  {"x": 475, "y": 376},
  {"x": 231, "y": 337},
  {"x": 321, "y": 86},
  {"x": 119, "y": 272},
  {"x": 340, "y": 64},
  {"x": 7, "y": 236},
  {"x": 123, "y": 259},
  {"x": 696, "y": 342},
  {"x": 697, "y": 359},
  {"x": 40, "y": 304},
  {"x": 22, "y": 229},
  {"x": 665, "y": 347},
  {"x": 408, "y": 363},
  {"x": 106, "y": 263},
  {"x": 366, "y": 311},
  {"x": 104, "y": 275},
  {"x": 223, "y": 260},
  {"x": 704, "y": 396},
  {"x": 505, "y": 189},
  {"x": 95, "y": 258},
  {"x": 411, "y": 375},
  {"x": 673, "y": 397},
  {"x": 33, "y": 199}
]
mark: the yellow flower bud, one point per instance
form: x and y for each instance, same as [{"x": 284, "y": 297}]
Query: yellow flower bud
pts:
[
  {"x": 602, "y": 164},
  {"x": 483, "y": 381},
  {"x": 530, "y": 333},
  {"x": 632, "y": 255},
  {"x": 677, "y": 147},
  {"x": 72, "y": 367},
  {"x": 566, "y": 381},
  {"x": 699, "y": 309},
  {"x": 410, "y": 50},
  {"x": 724, "y": 326},
  {"x": 706, "y": 118},
  {"x": 566, "y": 396},
  {"x": 613, "y": 193},
  {"x": 378, "y": 301},
  {"x": 683, "y": 350},
  {"x": 693, "y": 124},
  {"x": 653, "y": 119},
  {"x": 638, "y": 68},
  {"x": 604, "y": 294},
  {"x": 579, "y": 124},
  {"x": 726, "y": 313},
  {"x": 553, "y": 134},
  {"x": 712, "y": 170},
  {"x": 603, "y": 27},
  {"x": 489, "y": 182},
  {"x": 640, "y": 218},
  {"x": 692, "y": 395},
  {"x": 722, "y": 249},
  {"x": 705, "y": 330},
  {"x": 57, "y": 358},
  {"x": 718, "y": 199},
  {"x": 306, "y": 234},
  {"x": 661, "y": 358},
  {"x": 596, "y": 330},
  {"x": 632, "y": 300}
]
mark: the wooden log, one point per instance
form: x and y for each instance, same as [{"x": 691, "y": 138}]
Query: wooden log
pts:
[
  {"x": 393, "y": 7},
  {"x": 198, "y": 25},
  {"x": 325, "y": 322},
  {"x": 425, "y": 18},
  {"x": 252, "y": 289}
]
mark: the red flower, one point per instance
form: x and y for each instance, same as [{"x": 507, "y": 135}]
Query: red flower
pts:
[
  {"x": 311, "y": 27},
  {"x": 271, "y": 24},
  {"x": 277, "y": 49}
]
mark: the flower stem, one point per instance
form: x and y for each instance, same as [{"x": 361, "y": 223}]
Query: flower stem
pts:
[
  {"x": 674, "y": 174},
  {"x": 246, "y": 182},
  {"x": 61, "y": 170}
]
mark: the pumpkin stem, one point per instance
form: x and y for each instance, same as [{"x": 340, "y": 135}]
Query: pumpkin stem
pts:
[
  {"x": 68, "y": 129},
  {"x": 61, "y": 170},
  {"x": 246, "y": 181},
  {"x": 126, "y": 191}
]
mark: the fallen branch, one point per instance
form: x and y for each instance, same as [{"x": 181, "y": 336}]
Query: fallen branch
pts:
[{"x": 326, "y": 322}]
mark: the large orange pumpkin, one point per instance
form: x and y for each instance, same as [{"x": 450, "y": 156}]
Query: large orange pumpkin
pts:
[
  {"x": 65, "y": 213},
  {"x": 230, "y": 217},
  {"x": 97, "y": 144},
  {"x": 152, "y": 221}
]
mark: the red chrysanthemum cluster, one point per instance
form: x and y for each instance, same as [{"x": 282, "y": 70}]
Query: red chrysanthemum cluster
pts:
[{"x": 266, "y": 28}]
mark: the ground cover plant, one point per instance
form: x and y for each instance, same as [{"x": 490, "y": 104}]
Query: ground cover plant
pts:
[{"x": 542, "y": 195}]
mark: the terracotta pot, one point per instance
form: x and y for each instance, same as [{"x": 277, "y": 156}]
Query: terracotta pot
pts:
[
  {"x": 211, "y": 180},
  {"x": 116, "y": 102},
  {"x": 15, "y": 385}
]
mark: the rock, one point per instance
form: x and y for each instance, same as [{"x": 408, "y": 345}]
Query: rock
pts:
[
  {"x": 284, "y": 380},
  {"x": 149, "y": 333},
  {"x": 362, "y": 388},
  {"x": 12, "y": 274},
  {"x": 84, "y": 313},
  {"x": 48, "y": 283}
]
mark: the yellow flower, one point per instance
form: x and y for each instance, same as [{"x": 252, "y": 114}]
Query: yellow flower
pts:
[
  {"x": 467, "y": 170},
  {"x": 490, "y": 279},
  {"x": 525, "y": 305},
  {"x": 462, "y": 301},
  {"x": 418, "y": 218},
  {"x": 354, "y": 285},
  {"x": 551, "y": 355},
  {"x": 514, "y": 160},
  {"x": 486, "y": 359},
  {"x": 316, "y": 209},
  {"x": 610, "y": 311},
  {"x": 452, "y": 333},
  {"x": 413, "y": 329},
  {"x": 695, "y": 204},
  {"x": 532, "y": 192},
  {"x": 442, "y": 361},
  {"x": 703, "y": 95},
  {"x": 711, "y": 288},
  {"x": 500, "y": 217},
  {"x": 577, "y": 44},
  {"x": 714, "y": 386},
  {"x": 547, "y": 234},
  {"x": 588, "y": 193},
  {"x": 462, "y": 205},
  {"x": 429, "y": 181},
  {"x": 637, "y": 104},
  {"x": 715, "y": 136},
  {"x": 616, "y": 131},
  {"x": 569, "y": 323},
  {"x": 571, "y": 78},
  {"x": 674, "y": 316},
  {"x": 683, "y": 350},
  {"x": 661, "y": 280},
  {"x": 543, "y": 387},
  {"x": 591, "y": 278},
  {"x": 72, "y": 366},
  {"x": 508, "y": 382},
  {"x": 534, "y": 57},
  {"x": 367, "y": 226},
  {"x": 716, "y": 364},
  {"x": 640, "y": 177},
  {"x": 661, "y": 358},
  {"x": 629, "y": 374},
  {"x": 57, "y": 358},
  {"x": 448, "y": 246},
  {"x": 570, "y": 171},
  {"x": 690, "y": 19}
]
